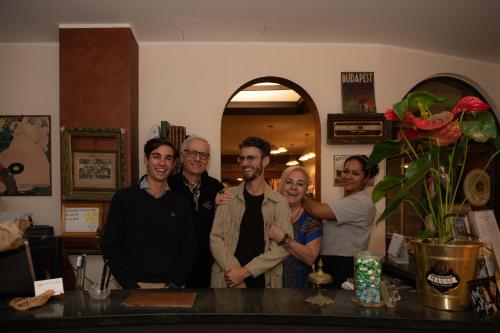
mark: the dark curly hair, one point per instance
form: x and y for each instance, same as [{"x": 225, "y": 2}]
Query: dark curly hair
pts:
[{"x": 253, "y": 141}]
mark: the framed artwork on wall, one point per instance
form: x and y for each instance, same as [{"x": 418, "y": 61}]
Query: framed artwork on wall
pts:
[
  {"x": 358, "y": 92},
  {"x": 25, "y": 156},
  {"x": 356, "y": 128},
  {"x": 92, "y": 163},
  {"x": 81, "y": 220},
  {"x": 94, "y": 170}
]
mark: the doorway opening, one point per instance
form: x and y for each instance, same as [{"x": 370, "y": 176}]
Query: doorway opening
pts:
[{"x": 281, "y": 112}]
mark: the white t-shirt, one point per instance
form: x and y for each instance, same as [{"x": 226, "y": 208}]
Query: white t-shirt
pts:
[{"x": 350, "y": 232}]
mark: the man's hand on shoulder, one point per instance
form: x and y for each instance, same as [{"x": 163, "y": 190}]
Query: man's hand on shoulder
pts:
[
  {"x": 223, "y": 197},
  {"x": 234, "y": 276}
]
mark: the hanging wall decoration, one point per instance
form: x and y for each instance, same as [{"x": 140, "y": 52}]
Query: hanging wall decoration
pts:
[
  {"x": 25, "y": 156},
  {"x": 358, "y": 93}
]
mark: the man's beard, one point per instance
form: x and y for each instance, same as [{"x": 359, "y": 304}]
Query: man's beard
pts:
[{"x": 257, "y": 172}]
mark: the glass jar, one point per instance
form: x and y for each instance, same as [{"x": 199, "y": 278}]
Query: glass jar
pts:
[{"x": 367, "y": 277}]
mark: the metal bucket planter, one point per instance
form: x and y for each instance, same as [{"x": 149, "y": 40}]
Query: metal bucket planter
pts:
[{"x": 443, "y": 272}]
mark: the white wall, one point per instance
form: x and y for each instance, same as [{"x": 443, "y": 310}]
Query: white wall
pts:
[
  {"x": 29, "y": 85},
  {"x": 189, "y": 84}
]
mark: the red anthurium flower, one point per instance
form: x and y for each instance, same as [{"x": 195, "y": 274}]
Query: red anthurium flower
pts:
[
  {"x": 410, "y": 133},
  {"x": 447, "y": 135},
  {"x": 470, "y": 103},
  {"x": 435, "y": 121},
  {"x": 390, "y": 115}
]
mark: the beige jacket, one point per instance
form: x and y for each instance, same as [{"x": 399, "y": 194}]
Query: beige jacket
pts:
[{"x": 226, "y": 231}]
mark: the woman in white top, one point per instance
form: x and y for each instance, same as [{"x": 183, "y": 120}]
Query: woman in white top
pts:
[{"x": 348, "y": 221}]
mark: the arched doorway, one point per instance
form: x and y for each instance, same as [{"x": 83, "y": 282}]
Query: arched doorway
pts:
[{"x": 292, "y": 123}]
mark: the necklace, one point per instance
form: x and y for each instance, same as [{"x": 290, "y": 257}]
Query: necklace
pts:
[{"x": 296, "y": 213}]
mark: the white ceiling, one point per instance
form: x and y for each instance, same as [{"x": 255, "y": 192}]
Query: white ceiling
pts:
[{"x": 464, "y": 28}]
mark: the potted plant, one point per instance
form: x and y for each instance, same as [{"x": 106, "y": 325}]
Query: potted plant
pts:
[{"x": 436, "y": 146}]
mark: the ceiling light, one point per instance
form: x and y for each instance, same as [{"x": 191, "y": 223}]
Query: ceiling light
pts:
[
  {"x": 309, "y": 154},
  {"x": 275, "y": 150},
  {"x": 279, "y": 150},
  {"x": 292, "y": 161}
]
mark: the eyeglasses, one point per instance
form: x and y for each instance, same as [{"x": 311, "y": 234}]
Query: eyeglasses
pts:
[
  {"x": 194, "y": 153},
  {"x": 249, "y": 158}
]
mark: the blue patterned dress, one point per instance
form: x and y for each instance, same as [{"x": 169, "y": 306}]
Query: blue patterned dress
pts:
[{"x": 305, "y": 229}]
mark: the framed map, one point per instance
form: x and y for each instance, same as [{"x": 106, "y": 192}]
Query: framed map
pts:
[{"x": 25, "y": 156}]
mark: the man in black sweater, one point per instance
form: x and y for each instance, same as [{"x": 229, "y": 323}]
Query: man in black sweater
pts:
[
  {"x": 149, "y": 238},
  {"x": 199, "y": 189}
]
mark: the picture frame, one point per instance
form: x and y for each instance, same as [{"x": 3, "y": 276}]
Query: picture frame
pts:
[
  {"x": 460, "y": 228},
  {"x": 81, "y": 219},
  {"x": 358, "y": 92},
  {"x": 25, "y": 155},
  {"x": 352, "y": 128},
  {"x": 485, "y": 297},
  {"x": 92, "y": 163},
  {"x": 94, "y": 170}
]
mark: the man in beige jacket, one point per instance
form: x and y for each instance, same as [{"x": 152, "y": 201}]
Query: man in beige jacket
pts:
[{"x": 244, "y": 255}]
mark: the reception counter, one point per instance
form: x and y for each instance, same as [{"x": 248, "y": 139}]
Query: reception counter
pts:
[{"x": 241, "y": 311}]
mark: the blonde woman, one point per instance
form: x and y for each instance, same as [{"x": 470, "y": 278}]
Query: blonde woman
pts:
[{"x": 304, "y": 245}]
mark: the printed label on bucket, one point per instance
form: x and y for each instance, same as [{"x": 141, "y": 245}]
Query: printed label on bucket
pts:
[{"x": 441, "y": 277}]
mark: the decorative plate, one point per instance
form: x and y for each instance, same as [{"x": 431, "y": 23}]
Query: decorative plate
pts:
[{"x": 477, "y": 186}]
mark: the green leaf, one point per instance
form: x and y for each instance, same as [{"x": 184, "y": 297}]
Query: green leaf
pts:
[
  {"x": 382, "y": 150},
  {"x": 385, "y": 185},
  {"x": 416, "y": 171},
  {"x": 394, "y": 203},
  {"x": 496, "y": 142},
  {"x": 484, "y": 123},
  {"x": 426, "y": 99},
  {"x": 400, "y": 108},
  {"x": 422, "y": 206},
  {"x": 426, "y": 234}
]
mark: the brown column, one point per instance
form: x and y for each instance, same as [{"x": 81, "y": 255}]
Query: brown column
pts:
[{"x": 98, "y": 70}]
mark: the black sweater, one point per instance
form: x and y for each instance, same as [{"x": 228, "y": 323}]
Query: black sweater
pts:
[
  {"x": 149, "y": 239},
  {"x": 203, "y": 220}
]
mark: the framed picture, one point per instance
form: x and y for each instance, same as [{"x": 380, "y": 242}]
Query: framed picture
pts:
[
  {"x": 460, "y": 227},
  {"x": 358, "y": 93},
  {"x": 484, "y": 296},
  {"x": 25, "y": 156},
  {"x": 82, "y": 219},
  {"x": 356, "y": 128},
  {"x": 94, "y": 170},
  {"x": 92, "y": 163}
]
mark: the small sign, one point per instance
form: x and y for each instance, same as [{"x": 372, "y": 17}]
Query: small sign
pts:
[
  {"x": 397, "y": 249},
  {"x": 81, "y": 219},
  {"x": 356, "y": 128},
  {"x": 43, "y": 285},
  {"x": 442, "y": 277}
]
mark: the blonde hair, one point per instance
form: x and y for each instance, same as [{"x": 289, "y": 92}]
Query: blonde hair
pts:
[{"x": 288, "y": 171}]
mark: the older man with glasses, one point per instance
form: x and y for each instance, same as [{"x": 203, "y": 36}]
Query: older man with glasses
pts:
[
  {"x": 243, "y": 252},
  {"x": 199, "y": 189}
]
